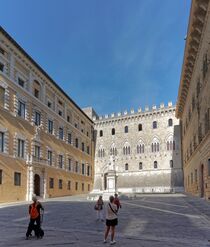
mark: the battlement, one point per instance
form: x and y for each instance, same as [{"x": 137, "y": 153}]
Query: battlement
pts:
[{"x": 140, "y": 111}]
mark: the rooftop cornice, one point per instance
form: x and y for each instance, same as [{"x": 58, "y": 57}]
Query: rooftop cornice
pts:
[{"x": 198, "y": 13}]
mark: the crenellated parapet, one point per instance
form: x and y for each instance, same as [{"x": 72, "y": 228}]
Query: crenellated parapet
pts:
[{"x": 140, "y": 113}]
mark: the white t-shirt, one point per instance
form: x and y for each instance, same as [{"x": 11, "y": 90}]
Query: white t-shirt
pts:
[{"x": 110, "y": 215}]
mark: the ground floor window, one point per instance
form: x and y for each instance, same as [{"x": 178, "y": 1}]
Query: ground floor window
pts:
[
  {"x": 76, "y": 185},
  {"x": 69, "y": 185},
  {"x": 88, "y": 187},
  {"x": 60, "y": 183},
  {"x": 17, "y": 178},
  {"x": 83, "y": 187}
]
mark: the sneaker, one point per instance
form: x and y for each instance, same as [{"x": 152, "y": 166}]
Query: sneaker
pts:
[
  {"x": 105, "y": 241},
  {"x": 112, "y": 242}
]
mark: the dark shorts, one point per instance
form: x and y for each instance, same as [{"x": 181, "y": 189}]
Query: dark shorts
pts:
[{"x": 112, "y": 222}]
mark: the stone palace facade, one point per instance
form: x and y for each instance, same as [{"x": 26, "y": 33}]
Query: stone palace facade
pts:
[{"x": 138, "y": 152}]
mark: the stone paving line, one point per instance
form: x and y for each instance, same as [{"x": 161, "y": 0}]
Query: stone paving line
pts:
[{"x": 160, "y": 215}]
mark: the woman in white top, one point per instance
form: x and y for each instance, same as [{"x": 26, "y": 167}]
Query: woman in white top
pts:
[{"x": 111, "y": 220}]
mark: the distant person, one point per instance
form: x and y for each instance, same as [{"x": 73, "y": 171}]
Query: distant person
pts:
[
  {"x": 34, "y": 212},
  {"x": 117, "y": 201},
  {"x": 111, "y": 220},
  {"x": 99, "y": 208}
]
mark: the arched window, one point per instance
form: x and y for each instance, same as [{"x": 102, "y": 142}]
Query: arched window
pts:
[
  {"x": 170, "y": 122},
  {"x": 113, "y": 131},
  {"x": 155, "y": 147},
  {"x": 126, "y": 129},
  {"x": 140, "y": 127},
  {"x": 154, "y": 124},
  {"x": 171, "y": 164},
  {"x": 155, "y": 164},
  {"x": 126, "y": 166},
  {"x": 101, "y": 133},
  {"x": 126, "y": 149}
]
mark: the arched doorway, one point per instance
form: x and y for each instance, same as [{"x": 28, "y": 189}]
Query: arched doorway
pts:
[
  {"x": 202, "y": 181},
  {"x": 37, "y": 184}
]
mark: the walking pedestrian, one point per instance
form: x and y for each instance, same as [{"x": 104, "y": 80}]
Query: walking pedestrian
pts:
[
  {"x": 117, "y": 201},
  {"x": 111, "y": 220},
  {"x": 34, "y": 212},
  {"x": 99, "y": 208}
]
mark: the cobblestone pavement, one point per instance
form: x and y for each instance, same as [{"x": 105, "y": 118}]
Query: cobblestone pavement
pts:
[{"x": 146, "y": 221}]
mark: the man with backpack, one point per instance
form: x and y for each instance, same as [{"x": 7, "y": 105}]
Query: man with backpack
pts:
[{"x": 35, "y": 217}]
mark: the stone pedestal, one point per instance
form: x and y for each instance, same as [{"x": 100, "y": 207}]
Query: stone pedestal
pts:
[{"x": 111, "y": 181}]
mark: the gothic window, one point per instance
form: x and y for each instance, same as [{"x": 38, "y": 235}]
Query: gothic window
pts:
[
  {"x": 101, "y": 133},
  {"x": 170, "y": 122},
  {"x": 126, "y": 149},
  {"x": 154, "y": 124},
  {"x": 155, "y": 164},
  {"x": 101, "y": 152},
  {"x": 140, "y": 148},
  {"x": 140, "y": 127},
  {"x": 113, "y": 151},
  {"x": 126, "y": 129},
  {"x": 155, "y": 147},
  {"x": 113, "y": 131}
]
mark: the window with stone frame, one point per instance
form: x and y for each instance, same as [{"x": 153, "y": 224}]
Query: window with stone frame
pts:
[
  {"x": 205, "y": 65},
  {"x": 113, "y": 131},
  {"x": 69, "y": 185},
  {"x": 155, "y": 164},
  {"x": 126, "y": 150},
  {"x": 88, "y": 150},
  {"x": 17, "y": 178},
  {"x": 49, "y": 157},
  {"x": 88, "y": 170},
  {"x": 140, "y": 148},
  {"x": 155, "y": 147},
  {"x": 154, "y": 125},
  {"x": 21, "y": 148},
  {"x": 88, "y": 187},
  {"x": 1, "y": 67},
  {"x": 77, "y": 167},
  {"x": 140, "y": 127},
  {"x": 60, "y": 161},
  {"x": 1, "y": 176},
  {"x": 37, "y": 152},
  {"x": 2, "y": 142},
  {"x": 83, "y": 169},
  {"x": 69, "y": 164},
  {"x": 51, "y": 183},
  {"x": 60, "y": 184},
  {"x": 50, "y": 126},
  {"x": 37, "y": 118},
  {"x": 21, "y": 82},
  {"x": 140, "y": 165},
  {"x": 126, "y": 129},
  {"x": 126, "y": 166},
  {"x": 83, "y": 187},
  {"x": 101, "y": 152},
  {"x": 83, "y": 146},
  {"x": 2, "y": 96},
  {"x": 170, "y": 122},
  {"x": 171, "y": 163},
  {"x": 101, "y": 133},
  {"x": 113, "y": 150},
  {"x": 21, "y": 109},
  {"x": 69, "y": 138},
  {"x": 76, "y": 142},
  {"x": 61, "y": 133}
]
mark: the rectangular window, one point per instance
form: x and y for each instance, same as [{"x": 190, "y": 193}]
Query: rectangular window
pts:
[
  {"x": 51, "y": 183},
  {"x": 77, "y": 167},
  {"x": 83, "y": 187},
  {"x": 208, "y": 167},
  {"x": 49, "y": 104},
  {"x": 60, "y": 161},
  {"x": 83, "y": 146},
  {"x": 69, "y": 185},
  {"x": 83, "y": 169},
  {"x": 50, "y": 126},
  {"x": 68, "y": 119},
  {"x": 88, "y": 187},
  {"x": 88, "y": 170},
  {"x": 60, "y": 183},
  {"x": 88, "y": 149},
  {"x": 76, "y": 185},
  {"x": 76, "y": 143},
  {"x": 2, "y": 96},
  {"x": 1, "y": 67},
  {"x": 49, "y": 157},
  {"x": 21, "y": 109},
  {"x": 17, "y": 178},
  {"x": 60, "y": 113},
  {"x": 37, "y": 152},
  {"x": 61, "y": 133},
  {"x": 21, "y": 82},
  {"x": 37, "y": 119},
  {"x": 1, "y": 141},
  {"x": 21, "y": 148},
  {"x": 69, "y": 138},
  {"x": 2, "y": 51},
  {"x": 140, "y": 166},
  {"x": 1, "y": 176},
  {"x": 69, "y": 164}
]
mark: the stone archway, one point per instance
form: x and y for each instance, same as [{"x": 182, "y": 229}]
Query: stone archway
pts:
[{"x": 37, "y": 184}]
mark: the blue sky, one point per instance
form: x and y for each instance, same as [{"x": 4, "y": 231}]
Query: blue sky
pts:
[{"x": 112, "y": 55}]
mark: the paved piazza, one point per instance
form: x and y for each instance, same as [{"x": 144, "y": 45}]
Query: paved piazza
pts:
[{"x": 156, "y": 220}]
